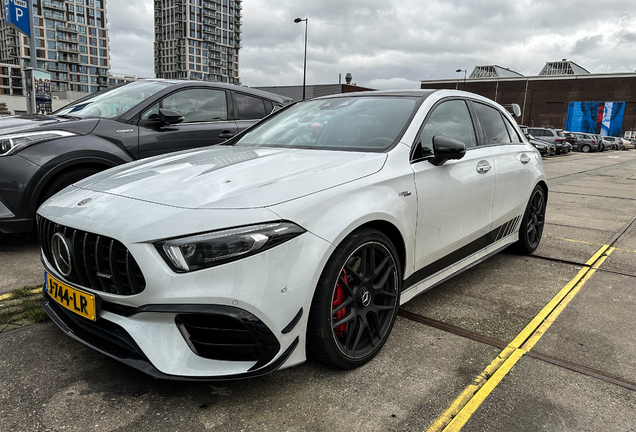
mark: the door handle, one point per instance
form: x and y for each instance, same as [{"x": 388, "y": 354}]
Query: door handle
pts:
[
  {"x": 226, "y": 134},
  {"x": 524, "y": 158},
  {"x": 483, "y": 167}
]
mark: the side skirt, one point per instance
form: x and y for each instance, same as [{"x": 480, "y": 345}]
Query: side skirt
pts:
[{"x": 456, "y": 268}]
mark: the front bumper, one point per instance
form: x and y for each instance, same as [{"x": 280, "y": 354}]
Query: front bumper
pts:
[
  {"x": 268, "y": 294},
  {"x": 17, "y": 184},
  {"x": 113, "y": 340}
]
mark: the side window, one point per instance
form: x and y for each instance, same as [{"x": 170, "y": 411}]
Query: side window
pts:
[
  {"x": 493, "y": 124},
  {"x": 249, "y": 108},
  {"x": 151, "y": 113},
  {"x": 450, "y": 119},
  {"x": 537, "y": 132},
  {"x": 198, "y": 105},
  {"x": 514, "y": 137},
  {"x": 269, "y": 107}
]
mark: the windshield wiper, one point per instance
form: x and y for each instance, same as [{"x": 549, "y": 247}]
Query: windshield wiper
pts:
[{"x": 66, "y": 116}]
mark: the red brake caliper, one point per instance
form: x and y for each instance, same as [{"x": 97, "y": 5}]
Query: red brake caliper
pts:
[{"x": 338, "y": 298}]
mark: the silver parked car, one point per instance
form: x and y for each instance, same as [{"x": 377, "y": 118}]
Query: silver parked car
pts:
[{"x": 551, "y": 135}]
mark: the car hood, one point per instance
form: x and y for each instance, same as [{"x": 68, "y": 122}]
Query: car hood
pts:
[
  {"x": 37, "y": 122},
  {"x": 234, "y": 177}
]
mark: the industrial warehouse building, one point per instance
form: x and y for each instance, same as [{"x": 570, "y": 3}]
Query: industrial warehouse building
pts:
[{"x": 564, "y": 95}]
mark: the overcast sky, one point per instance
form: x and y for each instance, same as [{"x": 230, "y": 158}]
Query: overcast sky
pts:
[{"x": 396, "y": 43}]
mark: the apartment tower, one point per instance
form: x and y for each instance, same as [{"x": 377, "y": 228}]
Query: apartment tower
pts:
[
  {"x": 198, "y": 39},
  {"x": 71, "y": 43}
]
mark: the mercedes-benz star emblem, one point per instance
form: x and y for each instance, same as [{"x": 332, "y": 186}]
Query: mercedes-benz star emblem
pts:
[
  {"x": 61, "y": 254},
  {"x": 366, "y": 298}
]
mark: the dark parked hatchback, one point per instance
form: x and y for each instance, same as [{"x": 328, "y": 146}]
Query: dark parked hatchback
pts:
[{"x": 40, "y": 155}]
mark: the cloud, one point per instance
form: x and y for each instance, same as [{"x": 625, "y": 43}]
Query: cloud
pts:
[{"x": 389, "y": 43}]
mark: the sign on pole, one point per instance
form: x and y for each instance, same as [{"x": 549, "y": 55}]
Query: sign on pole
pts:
[{"x": 16, "y": 14}]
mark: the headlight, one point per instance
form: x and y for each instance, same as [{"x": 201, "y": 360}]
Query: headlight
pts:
[
  {"x": 219, "y": 247},
  {"x": 11, "y": 144}
]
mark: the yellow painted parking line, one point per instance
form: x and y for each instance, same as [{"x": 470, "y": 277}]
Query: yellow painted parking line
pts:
[
  {"x": 545, "y": 325},
  {"x": 6, "y": 296},
  {"x": 573, "y": 241},
  {"x": 598, "y": 254},
  {"x": 464, "y": 415},
  {"x": 458, "y": 413},
  {"x": 625, "y": 250}
]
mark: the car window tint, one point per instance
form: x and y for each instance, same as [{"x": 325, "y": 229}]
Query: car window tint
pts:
[
  {"x": 198, "y": 105},
  {"x": 514, "y": 137},
  {"x": 450, "y": 119},
  {"x": 269, "y": 107},
  {"x": 493, "y": 124},
  {"x": 249, "y": 108}
]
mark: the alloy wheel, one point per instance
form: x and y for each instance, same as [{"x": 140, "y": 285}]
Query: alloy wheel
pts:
[
  {"x": 536, "y": 218},
  {"x": 364, "y": 300}
]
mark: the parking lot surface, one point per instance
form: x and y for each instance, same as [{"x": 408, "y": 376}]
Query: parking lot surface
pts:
[{"x": 517, "y": 343}]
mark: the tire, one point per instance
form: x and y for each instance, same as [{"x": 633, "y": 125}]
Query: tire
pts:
[
  {"x": 532, "y": 223},
  {"x": 586, "y": 148},
  {"x": 359, "y": 289},
  {"x": 67, "y": 178}
]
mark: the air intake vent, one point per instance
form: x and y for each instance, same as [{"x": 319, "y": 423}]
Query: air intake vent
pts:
[
  {"x": 97, "y": 262},
  {"x": 230, "y": 334},
  {"x": 218, "y": 337}
]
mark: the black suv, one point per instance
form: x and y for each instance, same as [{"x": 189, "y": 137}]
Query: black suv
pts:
[{"x": 40, "y": 155}]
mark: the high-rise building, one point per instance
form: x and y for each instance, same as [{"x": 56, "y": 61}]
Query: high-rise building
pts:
[
  {"x": 198, "y": 39},
  {"x": 71, "y": 43}
]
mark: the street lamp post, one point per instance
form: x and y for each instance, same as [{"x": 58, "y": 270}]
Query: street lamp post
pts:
[
  {"x": 298, "y": 20},
  {"x": 463, "y": 70}
]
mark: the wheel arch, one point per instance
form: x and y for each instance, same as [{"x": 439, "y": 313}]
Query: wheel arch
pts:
[
  {"x": 393, "y": 233},
  {"x": 544, "y": 186},
  {"x": 73, "y": 164}
]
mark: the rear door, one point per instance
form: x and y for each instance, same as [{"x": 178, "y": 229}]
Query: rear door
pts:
[
  {"x": 514, "y": 163},
  {"x": 208, "y": 120},
  {"x": 249, "y": 109}
]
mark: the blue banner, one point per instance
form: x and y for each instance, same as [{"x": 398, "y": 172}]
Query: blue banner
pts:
[
  {"x": 16, "y": 14},
  {"x": 603, "y": 118}
]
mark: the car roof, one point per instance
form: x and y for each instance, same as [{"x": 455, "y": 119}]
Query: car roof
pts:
[
  {"x": 411, "y": 93},
  {"x": 241, "y": 89}
]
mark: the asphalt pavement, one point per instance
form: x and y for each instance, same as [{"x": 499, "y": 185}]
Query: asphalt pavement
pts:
[{"x": 489, "y": 350}]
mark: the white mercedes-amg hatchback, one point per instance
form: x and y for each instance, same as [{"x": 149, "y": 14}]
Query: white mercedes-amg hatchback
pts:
[{"x": 298, "y": 237}]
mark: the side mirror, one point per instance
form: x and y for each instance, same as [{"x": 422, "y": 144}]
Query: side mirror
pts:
[
  {"x": 446, "y": 148},
  {"x": 168, "y": 117},
  {"x": 514, "y": 109}
]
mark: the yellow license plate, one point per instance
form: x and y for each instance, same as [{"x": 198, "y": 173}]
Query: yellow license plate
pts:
[{"x": 77, "y": 301}]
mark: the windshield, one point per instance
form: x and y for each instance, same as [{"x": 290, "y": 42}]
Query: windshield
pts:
[
  {"x": 113, "y": 102},
  {"x": 345, "y": 123}
]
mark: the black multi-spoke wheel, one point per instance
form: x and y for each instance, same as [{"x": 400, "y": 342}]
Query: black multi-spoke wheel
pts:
[
  {"x": 356, "y": 301},
  {"x": 532, "y": 223}
]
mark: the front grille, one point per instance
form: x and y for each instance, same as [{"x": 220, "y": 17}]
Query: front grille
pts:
[{"x": 97, "y": 262}]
